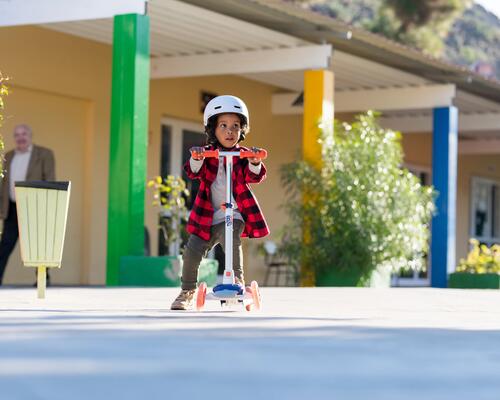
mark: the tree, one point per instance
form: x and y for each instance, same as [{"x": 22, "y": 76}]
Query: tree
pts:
[
  {"x": 420, "y": 13},
  {"x": 423, "y": 24}
]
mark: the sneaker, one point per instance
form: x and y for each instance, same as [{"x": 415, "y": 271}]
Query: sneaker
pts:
[{"x": 185, "y": 300}]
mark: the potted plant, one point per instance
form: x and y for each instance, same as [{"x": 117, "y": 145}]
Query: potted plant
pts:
[
  {"x": 360, "y": 216},
  {"x": 480, "y": 270},
  {"x": 170, "y": 196}
]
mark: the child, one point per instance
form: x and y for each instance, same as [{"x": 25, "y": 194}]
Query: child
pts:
[{"x": 226, "y": 124}]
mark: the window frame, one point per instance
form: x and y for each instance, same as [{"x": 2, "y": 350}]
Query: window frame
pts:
[
  {"x": 177, "y": 127},
  {"x": 488, "y": 240}
]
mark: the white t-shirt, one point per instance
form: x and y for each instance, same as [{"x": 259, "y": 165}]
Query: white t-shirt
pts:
[
  {"x": 18, "y": 170},
  {"x": 218, "y": 189}
]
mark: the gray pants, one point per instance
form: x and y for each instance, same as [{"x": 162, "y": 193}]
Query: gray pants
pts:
[{"x": 197, "y": 248}]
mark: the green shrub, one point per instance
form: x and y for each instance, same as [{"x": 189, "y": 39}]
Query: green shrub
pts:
[
  {"x": 481, "y": 259},
  {"x": 362, "y": 209}
]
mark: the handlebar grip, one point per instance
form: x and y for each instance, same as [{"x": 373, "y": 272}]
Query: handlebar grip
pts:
[
  {"x": 262, "y": 154},
  {"x": 210, "y": 153}
]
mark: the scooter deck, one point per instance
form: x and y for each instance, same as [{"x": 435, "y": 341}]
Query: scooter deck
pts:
[
  {"x": 226, "y": 295},
  {"x": 230, "y": 294}
]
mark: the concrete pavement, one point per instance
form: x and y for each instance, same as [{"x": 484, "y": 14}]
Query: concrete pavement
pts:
[{"x": 307, "y": 343}]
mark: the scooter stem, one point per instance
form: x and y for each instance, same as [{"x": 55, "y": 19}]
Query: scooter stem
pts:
[{"x": 228, "y": 277}]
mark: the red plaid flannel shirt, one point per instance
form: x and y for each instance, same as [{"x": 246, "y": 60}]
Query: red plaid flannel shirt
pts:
[{"x": 201, "y": 216}]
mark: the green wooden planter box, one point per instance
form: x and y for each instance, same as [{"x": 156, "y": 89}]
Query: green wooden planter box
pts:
[
  {"x": 163, "y": 271},
  {"x": 465, "y": 280},
  {"x": 381, "y": 278}
]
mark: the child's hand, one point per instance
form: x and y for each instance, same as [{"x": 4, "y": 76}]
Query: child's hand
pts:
[
  {"x": 197, "y": 153},
  {"x": 255, "y": 160}
]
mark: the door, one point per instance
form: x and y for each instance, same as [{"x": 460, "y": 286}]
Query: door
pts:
[{"x": 177, "y": 137}]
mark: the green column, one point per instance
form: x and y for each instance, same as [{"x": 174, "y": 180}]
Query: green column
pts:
[{"x": 128, "y": 141}]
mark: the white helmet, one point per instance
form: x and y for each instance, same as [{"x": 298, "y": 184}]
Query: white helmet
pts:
[{"x": 225, "y": 104}]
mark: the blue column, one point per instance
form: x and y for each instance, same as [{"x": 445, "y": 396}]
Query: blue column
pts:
[{"x": 444, "y": 179}]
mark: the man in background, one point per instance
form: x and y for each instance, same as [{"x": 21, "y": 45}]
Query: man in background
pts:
[{"x": 27, "y": 162}]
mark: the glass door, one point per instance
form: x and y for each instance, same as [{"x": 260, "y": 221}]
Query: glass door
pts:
[{"x": 177, "y": 137}]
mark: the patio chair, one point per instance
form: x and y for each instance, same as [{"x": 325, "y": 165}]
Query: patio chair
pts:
[{"x": 279, "y": 265}]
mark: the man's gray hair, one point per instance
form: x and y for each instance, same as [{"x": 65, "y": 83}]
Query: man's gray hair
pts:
[{"x": 26, "y": 127}]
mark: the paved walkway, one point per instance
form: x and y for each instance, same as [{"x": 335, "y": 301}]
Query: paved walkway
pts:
[{"x": 321, "y": 343}]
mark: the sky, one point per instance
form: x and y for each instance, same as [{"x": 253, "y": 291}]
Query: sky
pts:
[{"x": 491, "y": 5}]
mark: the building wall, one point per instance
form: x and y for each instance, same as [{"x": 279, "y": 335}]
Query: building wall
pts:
[
  {"x": 418, "y": 151},
  {"x": 61, "y": 86},
  {"x": 59, "y": 123},
  {"x": 417, "y": 148}
]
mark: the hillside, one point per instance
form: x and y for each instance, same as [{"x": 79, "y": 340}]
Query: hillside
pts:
[
  {"x": 473, "y": 41},
  {"x": 475, "y": 37}
]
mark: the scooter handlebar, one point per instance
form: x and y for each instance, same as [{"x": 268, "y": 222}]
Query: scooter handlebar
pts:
[
  {"x": 262, "y": 154},
  {"x": 243, "y": 154},
  {"x": 210, "y": 153}
]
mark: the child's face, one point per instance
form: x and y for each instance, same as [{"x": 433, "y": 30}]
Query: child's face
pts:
[{"x": 228, "y": 129}]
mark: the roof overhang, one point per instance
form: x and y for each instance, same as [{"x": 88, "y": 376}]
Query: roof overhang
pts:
[
  {"x": 384, "y": 99},
  {"x": 475, "y": 123},
  {"x": 273, "y": 42},
  {"x": 243, "y": 62},
  {"x": 313, "y": 27},
  {"x": 188, "y": 40}
]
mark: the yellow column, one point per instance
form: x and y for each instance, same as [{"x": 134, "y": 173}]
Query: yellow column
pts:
[
  {"x": 41, "y": 281},
  {"x": 318, "y": 112},
  {"x": 318, "y": 116}
]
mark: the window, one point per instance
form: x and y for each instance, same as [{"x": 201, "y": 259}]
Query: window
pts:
[
  {"x": 422, "y": 173},
  {"x": 485, "y": 210}
]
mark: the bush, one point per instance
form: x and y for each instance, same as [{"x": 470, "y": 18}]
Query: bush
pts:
[
  {"x": 481, "y": 259},
  {"x": 362, "y": 209},
  {"x": 170, "y": 196}
]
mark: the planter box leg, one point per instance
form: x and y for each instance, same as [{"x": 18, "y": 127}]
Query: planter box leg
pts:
[{"x": 41, "y": 281}]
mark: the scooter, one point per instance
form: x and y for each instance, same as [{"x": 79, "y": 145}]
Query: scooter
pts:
[{"x": 228, "y": 292}]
